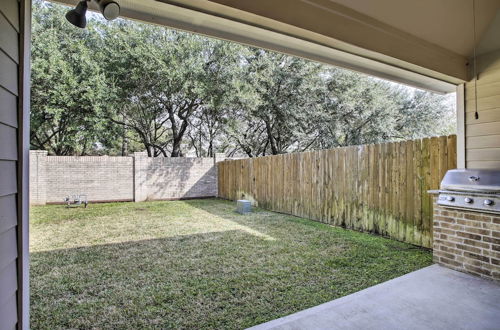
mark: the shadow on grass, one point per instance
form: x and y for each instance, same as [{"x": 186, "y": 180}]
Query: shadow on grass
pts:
[
  {"x": 219, "y": 280},
  {"x": 231, "y": 279},
  {"x": 268, "y": 222}
]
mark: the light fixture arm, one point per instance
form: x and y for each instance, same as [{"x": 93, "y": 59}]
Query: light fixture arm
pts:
[{"x": 476, "y": 113}]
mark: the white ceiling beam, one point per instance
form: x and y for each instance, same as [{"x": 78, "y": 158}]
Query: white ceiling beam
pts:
[{"x": 182, "y": 18}]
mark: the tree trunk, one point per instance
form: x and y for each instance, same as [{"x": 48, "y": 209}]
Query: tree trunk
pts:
[
  {"x": 176, "y": 148},
  {"x": 210, "y": 149},
  {"x": 272, "y": 141},
  {"x": 124, "y": 143}
]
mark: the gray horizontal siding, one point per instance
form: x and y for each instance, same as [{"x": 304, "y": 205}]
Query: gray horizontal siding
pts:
[
  {"x": 8, "y": 108},
  {"x": 8, "y": 178},
  {"x": 9, "y": 39},
  {"x": 8, "y": 73},
  {"x": 10, "y": 10},
  {"x": 8, "y": 214},
  {"x": 8, "y": 312},
  {"x": 8, "y": 145},
  {"x": 10, "y": 51},
  {"x": 8, "y": 285},
  {"x": 8, "y": 248}
]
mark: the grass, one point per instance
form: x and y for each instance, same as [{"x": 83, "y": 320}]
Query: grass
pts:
[{"x": 195, "y": 264}]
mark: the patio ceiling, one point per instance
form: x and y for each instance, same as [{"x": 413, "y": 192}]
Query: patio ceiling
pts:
[{"x": 422, "y": 43}]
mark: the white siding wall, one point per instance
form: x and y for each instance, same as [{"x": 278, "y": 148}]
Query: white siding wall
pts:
[{"x": 483, "y": 134}]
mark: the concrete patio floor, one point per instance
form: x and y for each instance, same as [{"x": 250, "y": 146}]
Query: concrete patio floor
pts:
[{"x": 430, "y": 298}]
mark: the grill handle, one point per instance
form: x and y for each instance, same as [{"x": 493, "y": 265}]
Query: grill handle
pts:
[{"x": 473, "y": 178}]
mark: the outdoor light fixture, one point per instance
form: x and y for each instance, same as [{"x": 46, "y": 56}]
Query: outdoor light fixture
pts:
[
  {"x": 77, "y": 16},
  {"x": 109, "y": 9}
]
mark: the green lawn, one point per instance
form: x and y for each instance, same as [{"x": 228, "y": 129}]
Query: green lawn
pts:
[{"x": 195, "y": 264}]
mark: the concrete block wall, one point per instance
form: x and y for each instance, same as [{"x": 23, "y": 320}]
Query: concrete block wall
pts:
[
  {"x": 159, "y": 178},
  {"x": 100, "y": 178},
  {"x": 38, "y": 177},
  {"x": 467, "y": 241},
  {"x": 220, "y": 157},
  {"x": 104, "y": 178}
]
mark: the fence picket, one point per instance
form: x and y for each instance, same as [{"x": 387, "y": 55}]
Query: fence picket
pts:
[{"x": 377, "y": 188}]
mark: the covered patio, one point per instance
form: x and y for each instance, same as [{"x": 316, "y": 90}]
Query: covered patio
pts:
[
  {"x": 434, "y": 297},
  {"x": 429, "y": 44}
]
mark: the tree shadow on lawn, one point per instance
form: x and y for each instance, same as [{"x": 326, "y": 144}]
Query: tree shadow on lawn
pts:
[
  {"x": 231, "y": 279},
  {"x": 271, "y": 224}
]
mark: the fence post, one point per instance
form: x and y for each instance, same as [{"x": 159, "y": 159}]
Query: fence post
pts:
[
  {"x": 140, "y": 176},
  {"x": 374, "y": 188},
  {"x": 218, "y": 157},
  {"x": 38, "y": 177}
]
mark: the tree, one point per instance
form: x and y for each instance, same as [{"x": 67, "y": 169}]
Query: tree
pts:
[
  {"x": 68, "y": 87},
  {"x": 421, "y": 114},
  {"x": 121, "y": 86},
  {"x": 162, "y": 81},
  {"x": 358, "y": 109},
  {"x": 223, "y": 71},
  {"x": 278, "y": 104}
]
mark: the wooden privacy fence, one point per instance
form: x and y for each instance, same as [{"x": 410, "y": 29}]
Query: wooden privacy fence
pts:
[{"x": 379, "y": 188}]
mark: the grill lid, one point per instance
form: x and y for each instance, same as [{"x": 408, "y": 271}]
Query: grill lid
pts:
[{"x": 480, "y": 180}]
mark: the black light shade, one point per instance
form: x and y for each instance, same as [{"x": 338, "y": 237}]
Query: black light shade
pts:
[{"x": 77, "y": 16}]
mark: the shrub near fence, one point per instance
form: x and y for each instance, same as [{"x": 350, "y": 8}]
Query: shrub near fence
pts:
[{"x": 379, "y": 188}]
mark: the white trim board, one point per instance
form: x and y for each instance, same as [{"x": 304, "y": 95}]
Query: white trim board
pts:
[{"x": 194, "y": 21}]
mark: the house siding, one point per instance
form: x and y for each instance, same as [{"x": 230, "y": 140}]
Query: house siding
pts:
[
  {"x": 482, "y": 135},
  {"x": 9, "y": 59},
  {"x": 12, "y": 231}
]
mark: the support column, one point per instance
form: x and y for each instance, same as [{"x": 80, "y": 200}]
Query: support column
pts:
[
  {"x": 38, "y": 177},
  {"x": 140, "y": 176},
  {"x": 218, "y": 157}
]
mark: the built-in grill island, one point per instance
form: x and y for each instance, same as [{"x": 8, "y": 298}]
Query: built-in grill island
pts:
[
  {"x": 471, "y": 189},
  {"x": 466, "y": 228}
]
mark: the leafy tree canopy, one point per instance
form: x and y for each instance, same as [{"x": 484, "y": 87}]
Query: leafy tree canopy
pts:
[{"x": 122, "y": 86}]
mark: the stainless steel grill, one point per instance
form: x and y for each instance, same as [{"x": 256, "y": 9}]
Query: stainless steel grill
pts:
[{"x": 471, "y": 189}]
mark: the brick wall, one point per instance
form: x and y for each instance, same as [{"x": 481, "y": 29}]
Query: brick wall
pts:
[
  {"x": 100, "y": 178},
  {"x": 174, "y": 178},
  {"x": 104, "y": 178},
  {"x": 38, "y": 185},
  {"x": 467, "y": 241}
]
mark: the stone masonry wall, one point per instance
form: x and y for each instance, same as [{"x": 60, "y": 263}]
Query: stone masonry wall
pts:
[
  {"x": 467, "y": 241},
  {"x": 104, "y": 178}
]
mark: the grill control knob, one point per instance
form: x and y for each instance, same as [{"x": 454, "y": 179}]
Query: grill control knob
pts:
[
  {"x": 450, "y": 198},
  {"x": 488, "y": 202},
  {"x": 468, "y": 200}
]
